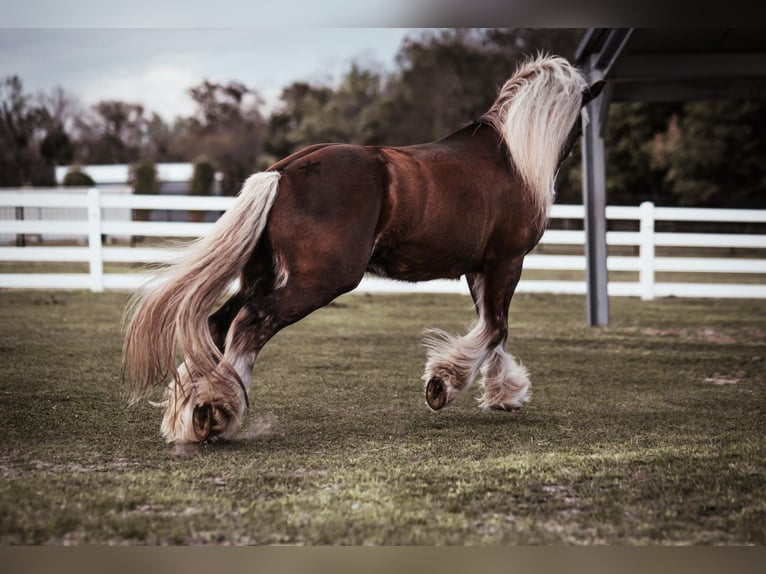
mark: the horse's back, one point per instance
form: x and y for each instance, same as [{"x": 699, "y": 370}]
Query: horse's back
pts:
[
  {"x": 439, "y": 209},
  {"x": 450, "y": 205}
]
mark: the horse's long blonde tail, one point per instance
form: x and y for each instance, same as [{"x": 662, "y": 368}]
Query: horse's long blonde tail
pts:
[{"x": 170, "y": 314}]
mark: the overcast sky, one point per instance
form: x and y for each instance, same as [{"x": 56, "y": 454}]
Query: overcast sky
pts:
[
  {"x": 153, "y": 51},
  {"x": 156, "y": 67}
]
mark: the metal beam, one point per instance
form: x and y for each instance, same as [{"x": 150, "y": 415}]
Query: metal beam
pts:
[
  {"x": 690, "y": 66},
  {"x": 604, "y": 101},
  {"x": 677, "y": 91},
  {"x": 613, "y": 47},
  {"x": 594, "y": 196},
  {"x": 596, "y": 66}
]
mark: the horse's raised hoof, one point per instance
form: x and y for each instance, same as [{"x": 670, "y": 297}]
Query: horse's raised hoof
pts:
[
  {"x": 436, "y": 394},
  {"x": 202, "y": 421}
]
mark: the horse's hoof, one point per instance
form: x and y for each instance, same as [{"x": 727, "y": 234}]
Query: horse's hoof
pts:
[
  {"x": 202, "y": 422},
  {"x": 436, "y": 394}
]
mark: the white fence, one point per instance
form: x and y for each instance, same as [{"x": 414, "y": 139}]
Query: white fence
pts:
[{"x": 108, "y": 214}]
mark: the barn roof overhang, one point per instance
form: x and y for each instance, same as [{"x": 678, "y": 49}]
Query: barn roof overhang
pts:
[
  {"x": 654, "y": 65},
  {"x": 671, "y": 64}
]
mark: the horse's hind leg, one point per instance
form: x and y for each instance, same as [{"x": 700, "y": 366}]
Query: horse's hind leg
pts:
[
  {"x": 222, "y": 396},
  {"x": 220, "y": 321},
  {"x": 454, "y": 362},
  {"x": 300, "y": 287},
  {"x": 182, "y": 393}
]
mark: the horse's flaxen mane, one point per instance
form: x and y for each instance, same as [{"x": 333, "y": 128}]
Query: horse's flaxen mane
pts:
[{"x": 534, "y": 113}]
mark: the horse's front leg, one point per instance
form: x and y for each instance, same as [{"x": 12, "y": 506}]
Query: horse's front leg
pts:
[
  {"x": 505, "y": 383},
  {"x": 454, "y": 362}
]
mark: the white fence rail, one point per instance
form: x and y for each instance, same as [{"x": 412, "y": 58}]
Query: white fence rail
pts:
[{"x": 109, "y": 214}]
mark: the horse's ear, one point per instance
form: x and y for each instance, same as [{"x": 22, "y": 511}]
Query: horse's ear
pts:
[{"x": 590, "y": 94}]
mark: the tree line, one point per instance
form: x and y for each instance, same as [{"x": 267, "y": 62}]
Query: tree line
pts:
[{"x": 692, "y": 153}]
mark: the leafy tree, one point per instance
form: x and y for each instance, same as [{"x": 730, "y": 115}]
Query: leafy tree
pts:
[
  {"x": 227, "y": 127},
  {"x": 22, "y": 127},
  {"x": 77, "y": 178},
  {"x": 292, "y": 126},
  {"x": 220, "y": 105},
  {"x": 158, "y": 143},
  {"x": 203, "y": 177},
  {"x": 632, "y": 173},
  {"x": 447, "y": 78},
  {"x": 341, "y": 118},
  {"x": 56, "y": 147},
  {"x": 202, "y": 181},
  {"x": 114, "y": 132},
  {"x": 713, "y": 154},
  {"x": 145, "y": 181},
  {"x": 318, "y": 114},
  {"x": 441, "y": 85},
  {"x": 144, "y": 178},
  {"x": 698, "y": 153}
]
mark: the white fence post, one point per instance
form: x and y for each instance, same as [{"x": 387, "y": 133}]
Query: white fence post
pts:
[
  {"x": 646, "y": 254},
  {"x": 95, "y": 249}
]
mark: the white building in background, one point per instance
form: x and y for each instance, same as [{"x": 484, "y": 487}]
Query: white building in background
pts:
[{"x": 174, "y": 179}]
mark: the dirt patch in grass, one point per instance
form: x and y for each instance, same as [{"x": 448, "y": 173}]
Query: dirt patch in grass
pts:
[
  {"x": 723, "y": 380},
  {"x": 706, "y": 334}
]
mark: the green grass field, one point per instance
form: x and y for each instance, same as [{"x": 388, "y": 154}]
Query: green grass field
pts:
[{"x": 650, "y": 431}]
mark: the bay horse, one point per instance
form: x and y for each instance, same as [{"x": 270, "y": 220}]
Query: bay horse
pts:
[{"x": 308, "y": 228}]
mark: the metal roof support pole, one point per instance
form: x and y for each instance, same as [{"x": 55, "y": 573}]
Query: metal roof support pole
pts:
[{"x": 594, "y": 197}]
